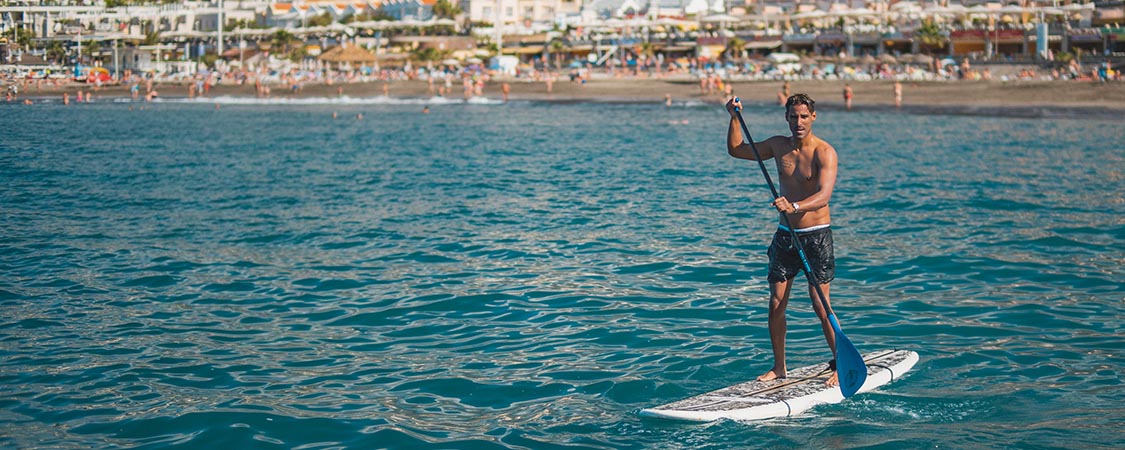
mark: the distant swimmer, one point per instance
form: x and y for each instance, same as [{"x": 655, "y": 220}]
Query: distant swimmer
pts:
[
  {"x": 806, "y": 167},
  {"x": 898, "y": 94},
  {"x": 425, "y": 110},
  {"x": 667, "y": 99}
]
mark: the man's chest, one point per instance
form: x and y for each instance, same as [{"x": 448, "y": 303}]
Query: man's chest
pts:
[{"x": 798, "y": 166}]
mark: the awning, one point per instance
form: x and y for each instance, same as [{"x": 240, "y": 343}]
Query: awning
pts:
[
  {"x": 678, "y": 48},
  {"x": 524, "y": 50},
  {"x": 762, "y": 44}
]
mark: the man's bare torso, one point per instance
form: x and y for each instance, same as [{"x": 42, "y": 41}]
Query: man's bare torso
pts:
[{"x": 798, "y": 178}]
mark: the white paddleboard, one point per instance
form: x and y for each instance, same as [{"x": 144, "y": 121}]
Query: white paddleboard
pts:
[{"x": 801, "y": 390}]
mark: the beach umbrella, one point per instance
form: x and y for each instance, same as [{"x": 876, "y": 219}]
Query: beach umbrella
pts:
[
  {"x": 888, "y": 58},
  {"x": 1078, "y": 7},
  {"x": 347, "y": 54},
  {"x": 719, "y": 18},
  {"x": 979, "y": 11},
  {"x": 923, "y": 59},
  {"x": 951, "y": 10},
  {"x": 861, "y": 12},
  {"x": 905, "y": 6},
  {"x": 1014, "y": 9},
  {"x": 867, "y": 59},
  {"x": 780, "y": 57},
  {"x": 814, "y": 14}
]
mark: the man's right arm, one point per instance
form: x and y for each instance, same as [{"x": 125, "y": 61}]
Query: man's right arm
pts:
[
  {"x": 738, "y": 148},
  {"x": 736, "y": 145}
]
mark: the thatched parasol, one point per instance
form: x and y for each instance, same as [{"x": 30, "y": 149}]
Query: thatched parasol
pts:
[
  {"x": 347, "y": 54},
  {"x": 923, "y": 59}
]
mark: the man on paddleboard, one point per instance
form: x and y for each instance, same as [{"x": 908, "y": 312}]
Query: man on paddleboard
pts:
[{"x": 806, "y": 168}]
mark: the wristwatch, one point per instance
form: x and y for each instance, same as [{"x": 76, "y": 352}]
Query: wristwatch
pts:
[{"x": 796, "y": 207}]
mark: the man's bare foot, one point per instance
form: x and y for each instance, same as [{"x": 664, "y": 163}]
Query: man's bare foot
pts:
[
  {"x": 773, "y": 374},
  {"x": 832, "y": 380}
]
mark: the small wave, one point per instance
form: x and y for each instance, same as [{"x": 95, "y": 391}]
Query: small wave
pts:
[{"x": 343, "y": 100}]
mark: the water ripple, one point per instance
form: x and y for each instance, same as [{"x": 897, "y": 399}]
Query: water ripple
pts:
[{"x": 454, "y": 283}]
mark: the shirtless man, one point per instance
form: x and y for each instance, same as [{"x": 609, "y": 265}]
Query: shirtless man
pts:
[{"x": 806, "y": 167}]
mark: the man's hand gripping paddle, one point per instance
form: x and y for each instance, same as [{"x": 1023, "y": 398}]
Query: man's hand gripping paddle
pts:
[{"x": 850, "y": 368}]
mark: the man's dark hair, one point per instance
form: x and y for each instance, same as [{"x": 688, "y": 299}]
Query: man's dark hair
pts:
[{"x": 800, "y": 99}]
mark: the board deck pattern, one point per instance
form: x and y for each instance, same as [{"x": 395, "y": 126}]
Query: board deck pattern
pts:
[{"x": 803, "y": 388}]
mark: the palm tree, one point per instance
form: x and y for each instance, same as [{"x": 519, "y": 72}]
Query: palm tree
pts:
[
  {"x": 321, "y": 20},
  {"x": 56, "y": 51},
  {"x": 91, "y": 49},
  {"x": 557, "y": 46},
  {"x": 929, "y": 35},
  {"x": 735, "y": 48},
  {"x": 444, "y": 9},
  {"x": 281, "y": 39},
  {"x": 430, "y": 54},
  {"x": 152, "y": 38}
]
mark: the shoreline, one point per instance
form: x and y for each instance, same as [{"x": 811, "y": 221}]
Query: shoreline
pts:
[{"x": 1027, "y": 99}]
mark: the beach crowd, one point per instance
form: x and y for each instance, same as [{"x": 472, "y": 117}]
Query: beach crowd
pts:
[{"x": 469, "y": 80}]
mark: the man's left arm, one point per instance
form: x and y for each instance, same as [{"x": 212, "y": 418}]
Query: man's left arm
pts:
[{"x": 825, "y": 183}]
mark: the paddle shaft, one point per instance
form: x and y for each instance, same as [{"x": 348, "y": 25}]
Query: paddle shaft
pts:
[{"x": 785, "y": 218}]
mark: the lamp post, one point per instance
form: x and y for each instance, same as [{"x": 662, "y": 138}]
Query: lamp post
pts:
[
  {"x": 219, "y": 45},
  {"x": 499, "y": 32}
]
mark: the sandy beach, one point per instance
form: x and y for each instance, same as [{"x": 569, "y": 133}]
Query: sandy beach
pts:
[{"x": 1007, "y": 98}]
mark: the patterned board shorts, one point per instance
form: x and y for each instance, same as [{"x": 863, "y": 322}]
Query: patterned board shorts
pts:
[{"x": 785, "y": 262}]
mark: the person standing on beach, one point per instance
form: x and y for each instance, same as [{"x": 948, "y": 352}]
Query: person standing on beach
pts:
[
  {"x": 848, "y": 96},
  {"x": 806, "y": 168},
  {"x": 898, "y": 94}
]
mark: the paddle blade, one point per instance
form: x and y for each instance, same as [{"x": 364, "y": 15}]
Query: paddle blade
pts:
[{"x": 850, "y": 368}]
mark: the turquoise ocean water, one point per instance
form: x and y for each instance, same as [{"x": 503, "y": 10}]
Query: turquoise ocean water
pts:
[{"x": 530, "y": 275}]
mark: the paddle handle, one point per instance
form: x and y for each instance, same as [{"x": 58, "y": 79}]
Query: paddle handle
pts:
[{"x": 785, "y": 218}]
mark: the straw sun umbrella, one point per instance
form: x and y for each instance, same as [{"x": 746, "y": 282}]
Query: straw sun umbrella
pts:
[{"x": 347, "y": 55}]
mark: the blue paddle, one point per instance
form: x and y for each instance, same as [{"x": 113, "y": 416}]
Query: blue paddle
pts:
[{"x": 850, "y": 368}]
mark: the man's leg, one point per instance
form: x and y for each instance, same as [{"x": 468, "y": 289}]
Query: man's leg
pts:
[
  {"x": 825, "y": 325},
  {"x": 779, "y": 299}
]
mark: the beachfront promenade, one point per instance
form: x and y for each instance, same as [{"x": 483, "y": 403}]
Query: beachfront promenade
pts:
[
  {"x": 708, "y": 51},
  {"x": 183, "y": 39}
]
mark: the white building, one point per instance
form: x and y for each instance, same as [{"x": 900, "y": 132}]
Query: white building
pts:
[
  {"x": 520, "y": 13},
  {"x": 409, "y": 9}
]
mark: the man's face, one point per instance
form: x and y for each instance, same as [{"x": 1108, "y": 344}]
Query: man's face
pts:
[{"x": 800, "y": 120}]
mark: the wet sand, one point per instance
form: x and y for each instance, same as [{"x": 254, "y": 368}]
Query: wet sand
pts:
[{"x": 1006, "y": 98}]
